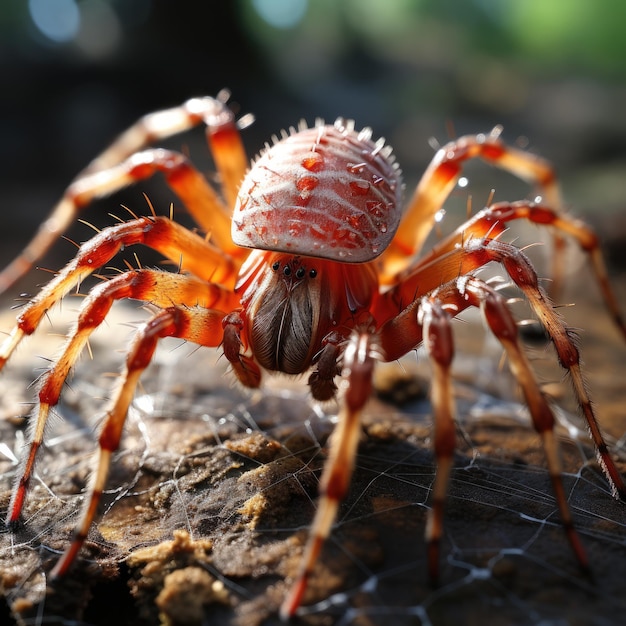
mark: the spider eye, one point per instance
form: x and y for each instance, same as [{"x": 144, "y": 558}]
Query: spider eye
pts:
[
  {"x": 287, "y": 270},
  {"x": 312, "y": 273},
  {"x": 300, "y": 272},
  {"x": 275, "y": 265}
]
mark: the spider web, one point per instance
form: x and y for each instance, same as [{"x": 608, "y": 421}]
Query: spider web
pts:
[{"x": 213, "y": 490}]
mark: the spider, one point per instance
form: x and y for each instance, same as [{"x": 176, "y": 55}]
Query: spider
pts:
[{"x": 311, "y": 265}]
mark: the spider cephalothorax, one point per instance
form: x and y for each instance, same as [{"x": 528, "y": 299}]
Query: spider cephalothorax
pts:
[{"x": 312, "y": 264}]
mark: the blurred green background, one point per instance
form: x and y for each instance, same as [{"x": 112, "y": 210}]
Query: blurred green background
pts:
[{"x": 74, "y": 73}]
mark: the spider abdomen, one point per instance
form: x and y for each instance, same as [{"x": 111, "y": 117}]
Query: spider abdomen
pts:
[{"x": 328, "y": 191}]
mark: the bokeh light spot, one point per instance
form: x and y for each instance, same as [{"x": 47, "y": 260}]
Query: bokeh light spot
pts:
[
  {"x": 100, "y": 31},
  {"x": 282, "y": 14},
  {"x": 58, "y": 20}
]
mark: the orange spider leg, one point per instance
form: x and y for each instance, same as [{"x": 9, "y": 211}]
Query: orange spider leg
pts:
[
  {"x": 153, "y": 286},
  {"x": 521, "y": 271},
  {"x": 435, "y": 322},
  {"x": 359, "y": 357},
  {"x": 477, "y": 253},
  {"x": 244, "y": 365},
  {"x": 434, "y": 313},
  {"x": 115, "y": 168},
  {"x": 503, "y": 326},
  {"x": 199, "y": 325},
  {"x": 171, "y": 239},
  {"x": 491, "y": 221},
  {"x": 160, "y": 125},
  {"x": 439, "y": 180},
  {"x": 197, "y": 195}
]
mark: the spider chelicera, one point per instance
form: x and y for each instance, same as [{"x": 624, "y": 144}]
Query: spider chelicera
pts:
[{"x": 312, "y": 264}]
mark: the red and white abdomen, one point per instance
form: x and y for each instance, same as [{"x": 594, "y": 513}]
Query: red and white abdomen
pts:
[{"x": 328, "y": 192}]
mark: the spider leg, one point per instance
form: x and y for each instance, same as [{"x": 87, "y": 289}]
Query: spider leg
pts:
[
  {"x": 158, "y": 288},
  {"x": 322, "y": 378},
  {"x": 476, "y": 253},
  {"x": 196, "y": 324},
  {"x": 434, "y": 314},
  {"x": 197, "y": 195},
  {"x": 439, "y": 343},
  {"x": 171, "y": 239},
  {"x": 520, "y": 270},
  {"x": 439, "y": 180},
  {"x": 503, "y": 326},
  {"x": 119, "y": 166},
  {"x": 358, "y": 364},
  {"x": 491, "y": 222},
  {"x": 244, "y": 365},
  {"x": 162, "y": 124}
]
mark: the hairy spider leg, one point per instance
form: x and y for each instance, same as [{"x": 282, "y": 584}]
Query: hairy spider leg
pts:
[
  {"x": 119, "y": 166},
  {"x": 159, "y": 125},
  {"x": 359, "y": 357},
  {"x": 491, "y": 221},
  {"x": 203, "y": 327},
  {"x": 440, "y": 178},
  {"x": 158, "y": 288},
  {"x": 436, "y": 312},
  {"x": 199, "y": 198},
  {"x": 437, "y": 335},
  {"x": 426, "y": 319},
  {"x": 174, "y": 241},
  {"x": 474, "y": 254},
  {"x": 243, "y": 365}
]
